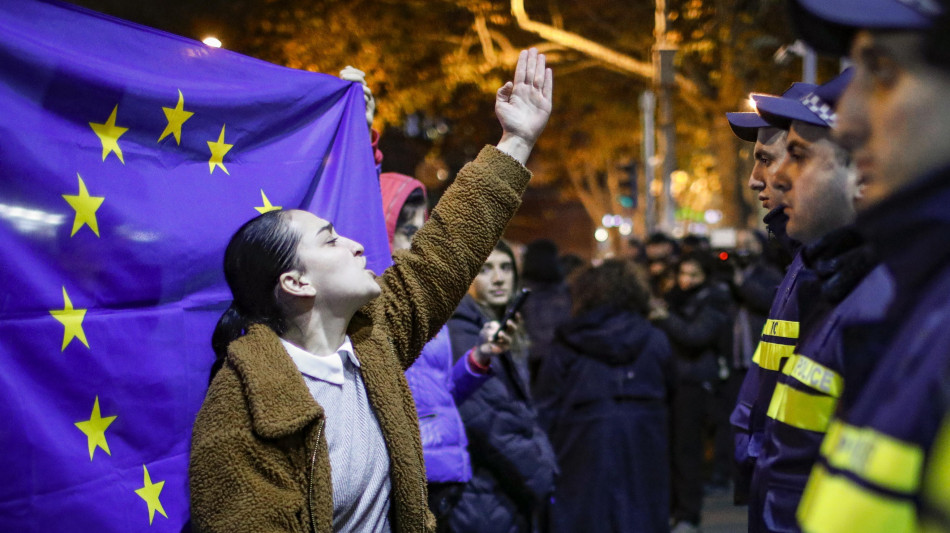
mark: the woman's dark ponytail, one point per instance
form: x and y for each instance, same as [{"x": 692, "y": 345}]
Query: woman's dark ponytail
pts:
[
  {"x": 258, "y": 253},
  {"x": 231, "y": 325}
]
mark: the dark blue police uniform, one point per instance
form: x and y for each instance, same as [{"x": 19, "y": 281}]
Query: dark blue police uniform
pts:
[
  {"x": 853, "y": 290},
  {"x": 872, "y": 459}
]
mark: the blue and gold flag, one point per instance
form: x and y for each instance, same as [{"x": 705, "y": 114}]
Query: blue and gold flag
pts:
[{"x": 128, "y": 157}]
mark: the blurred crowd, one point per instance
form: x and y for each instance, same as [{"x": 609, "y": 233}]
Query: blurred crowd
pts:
[{"x": 612, "y": 404}]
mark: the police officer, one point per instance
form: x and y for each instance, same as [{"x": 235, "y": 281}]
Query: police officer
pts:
[
  {"x": 852, "y": 288},
  {"x": 781, "y": 329},
  {"x": 895, "y": 117}
]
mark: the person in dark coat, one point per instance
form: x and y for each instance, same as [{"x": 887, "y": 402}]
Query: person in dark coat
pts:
[
  {"x": 662, "y": 252},
  {"x": 602, "y": 393},
  {"x": 693, "y": 317},
  {"x": 550, "y": 303},
  {"x": 513, "y": 464}
]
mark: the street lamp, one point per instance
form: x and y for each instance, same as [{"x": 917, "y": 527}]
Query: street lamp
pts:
[{"x": 784, "y": 55}]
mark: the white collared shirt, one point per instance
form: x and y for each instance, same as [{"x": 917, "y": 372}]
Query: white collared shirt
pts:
[
  {"x": 359, "y": 462},
  {"x": 327, "y": 368}
]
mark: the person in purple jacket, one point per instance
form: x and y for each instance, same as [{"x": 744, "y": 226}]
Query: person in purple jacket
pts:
[{"x": 437, "y": 383}]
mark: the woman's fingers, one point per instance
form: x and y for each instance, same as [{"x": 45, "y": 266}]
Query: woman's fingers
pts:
[
  {"x": 538, "y": 73},
  {"x": 521, "y": 68},
  {"x": 547, "y": 90},
  {"x": 531, "y": 66}
]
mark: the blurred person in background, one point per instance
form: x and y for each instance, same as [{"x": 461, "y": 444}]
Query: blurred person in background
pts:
[
  {"x": 571, "y": 266},
  {"x": 661, "y": 252},
  {"x": 513, "y": 464},
  {"x": 549, "y": 305},
  {"x": 752, "y": 273},
  {"x": 694, "y": 243},
  {"x": 634, "y": 250},
  {"x": 603, "y": 393},
  {"x": 756, "y": 275},
  {"x": 694, "y": 315}
]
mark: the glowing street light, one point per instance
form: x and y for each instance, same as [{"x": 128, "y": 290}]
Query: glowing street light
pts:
[
  {"x": 213, "y": 42},
  {"x": 713, "y": 216},
  {"x": 601, "y": 235}
]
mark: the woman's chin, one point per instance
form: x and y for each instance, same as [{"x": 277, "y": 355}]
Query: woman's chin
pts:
[
  {"x": 371, "y": 293},
  {"x": 497, "y": 302}
]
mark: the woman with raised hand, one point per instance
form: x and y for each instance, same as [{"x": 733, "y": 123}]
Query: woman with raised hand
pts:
[{"x": 309, "y": 424}]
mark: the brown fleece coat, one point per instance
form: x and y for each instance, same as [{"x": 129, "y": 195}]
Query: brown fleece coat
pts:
[{"x": 259, "y": 459}]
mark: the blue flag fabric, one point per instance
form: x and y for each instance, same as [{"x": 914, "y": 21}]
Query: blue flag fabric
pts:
[{"x": 128, "y": 157}]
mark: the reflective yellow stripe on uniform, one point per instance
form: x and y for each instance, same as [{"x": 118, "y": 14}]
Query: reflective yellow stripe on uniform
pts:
[
  {"x": 836, "y": 504},
  {"x": 781, "y": 328},
  {"x": 874, "y": 457},
  {"x": 937, "y": 483},
  {"x": 814, "y": 375},
  {"x": 801, "y": 409},
  {"x": 769, "y": 355}
]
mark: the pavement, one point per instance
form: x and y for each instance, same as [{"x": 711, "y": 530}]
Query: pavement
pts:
[{"x": 721, "y": 516}]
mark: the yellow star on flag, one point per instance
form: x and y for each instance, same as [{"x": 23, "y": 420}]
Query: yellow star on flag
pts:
[
  {"x": 95, "y": 430},
  {"x": 71, "y": 319},
  {"x": 150, "y": 493},
  {"x": 176, "y": 117},
  {"x": 85, "y": 207},
  {"x": 218, "y": 149},
  {"x": 109, "y": 135},
  {"x": 267, "y": 207}
]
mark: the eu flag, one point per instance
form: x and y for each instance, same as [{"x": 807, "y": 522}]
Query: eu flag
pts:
[{"x": 128, "y": 157}]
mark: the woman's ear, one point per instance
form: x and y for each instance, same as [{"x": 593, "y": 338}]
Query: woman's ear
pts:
[{"x": 295, "y": 283}]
